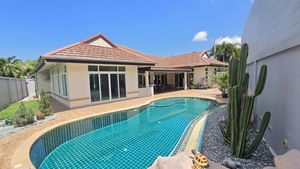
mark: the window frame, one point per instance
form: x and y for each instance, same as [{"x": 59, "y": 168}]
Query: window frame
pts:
[{"x": 117, "y": 72}]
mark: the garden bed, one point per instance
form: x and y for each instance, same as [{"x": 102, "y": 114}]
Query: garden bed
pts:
[
  {"x": 10, "y": 111},
  {"x": 7, "y": 130},
  {"x": 217, "y": 150}
]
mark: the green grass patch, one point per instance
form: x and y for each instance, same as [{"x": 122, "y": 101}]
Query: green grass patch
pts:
[{"x": 9, "y": 111}]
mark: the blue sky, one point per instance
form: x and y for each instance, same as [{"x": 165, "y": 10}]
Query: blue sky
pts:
[{"x": 30, "y": 28}]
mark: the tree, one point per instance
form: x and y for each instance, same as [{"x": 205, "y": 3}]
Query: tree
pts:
[
  {"x": 28, "y": 67},
  {"x": 224, "y": 51},
  {"x": 221, "y": 79},
  {"x": 10, "y": 67}
]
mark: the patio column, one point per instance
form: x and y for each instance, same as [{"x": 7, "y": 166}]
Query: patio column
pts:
[
  {"x": 147, "y": 79},
  {"x": 185, "y": 82}
]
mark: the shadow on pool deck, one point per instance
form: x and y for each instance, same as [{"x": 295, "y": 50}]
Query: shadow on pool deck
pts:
[{"x": 57, "y": 106}]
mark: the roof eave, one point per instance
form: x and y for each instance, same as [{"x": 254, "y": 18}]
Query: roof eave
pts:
[{"x": 88, "y": 60}]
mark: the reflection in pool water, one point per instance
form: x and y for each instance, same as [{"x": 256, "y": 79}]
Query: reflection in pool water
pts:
[{"x": 127, "y": 139}]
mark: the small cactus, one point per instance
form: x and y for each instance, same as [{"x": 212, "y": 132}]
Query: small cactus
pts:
[{"x": 240, "y": 106}]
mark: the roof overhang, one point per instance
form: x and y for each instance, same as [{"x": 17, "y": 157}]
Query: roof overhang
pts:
[
  {"x": 86, "y": 60},
  {"x": 215, "y": 65},
  {"x": 165, "y": 69}
]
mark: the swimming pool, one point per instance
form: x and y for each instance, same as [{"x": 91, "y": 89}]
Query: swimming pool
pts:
[{"x": 126, "y": 139}]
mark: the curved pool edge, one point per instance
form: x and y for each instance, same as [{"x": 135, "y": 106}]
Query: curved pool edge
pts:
[{"x": 21, "y": 156}]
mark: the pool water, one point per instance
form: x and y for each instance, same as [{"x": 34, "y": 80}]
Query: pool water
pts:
[{"x": 131, "y": 139}]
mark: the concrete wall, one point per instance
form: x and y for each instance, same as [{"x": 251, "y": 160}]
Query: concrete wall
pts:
[
  {"x": 273, "y": 34},
  {"x": 272, "y": 26},
  {"x": 199, "y": 73},
  {"x": 12, "y": 90}
]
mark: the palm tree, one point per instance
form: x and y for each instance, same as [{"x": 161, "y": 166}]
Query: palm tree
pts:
[
  {"x": 28, "y": 67},
  {"x": 224, "y": 51},
  {"x": 10, "y": 67}
]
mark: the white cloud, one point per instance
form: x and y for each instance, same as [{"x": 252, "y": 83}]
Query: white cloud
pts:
[
  {"x": 200, "y": 36},
  {"x": 234, "y": 40}
]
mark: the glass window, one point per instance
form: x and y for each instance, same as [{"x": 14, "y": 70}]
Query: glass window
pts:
[
  {"x": 108, "y": 68},
  {"x": 122, "y": 68},
  {"x": 141, "y": 81},
  {"x": 104, "y": 86},
  {"x": 64, "y": 84},
  {"x": 122, "y": 85},
  {"x": 94, "y": 87},
  {"x": 58, "y": 83},
  {"x": 52, "y": 77},
  {"x": 93, "y": 68},
  {"x": 114, "y": 86}
]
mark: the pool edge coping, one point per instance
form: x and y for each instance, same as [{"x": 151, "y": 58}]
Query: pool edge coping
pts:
[{"x": 21, "y": 156}]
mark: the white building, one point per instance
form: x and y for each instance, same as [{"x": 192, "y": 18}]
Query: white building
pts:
[
  {"x": 273, "y": 34},
  {"x": 96, "y": 70}
]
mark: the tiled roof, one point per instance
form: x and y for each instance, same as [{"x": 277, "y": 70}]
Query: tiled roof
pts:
[
  {"x": 85, "y": 50},
  {"x": 118, "y": 53},
  {"x": 184, "y": 60}
]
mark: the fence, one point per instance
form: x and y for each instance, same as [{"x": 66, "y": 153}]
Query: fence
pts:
[{"x": 12, "y": 90}]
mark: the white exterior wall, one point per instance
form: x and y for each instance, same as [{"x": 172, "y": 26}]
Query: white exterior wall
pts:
[
  {"x": 273, "y": 34},
  {"x": 100, "y": 42},
  {"x": 78, "y": 84},
  {"x": 43, "y": 81},
  {"x": 132, "y": 88}
]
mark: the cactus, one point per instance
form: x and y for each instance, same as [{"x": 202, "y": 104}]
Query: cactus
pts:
[{"x": 240, "y": 106}]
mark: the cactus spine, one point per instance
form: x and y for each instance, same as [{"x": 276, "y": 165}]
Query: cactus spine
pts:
[{"x": 240, "y": 106}]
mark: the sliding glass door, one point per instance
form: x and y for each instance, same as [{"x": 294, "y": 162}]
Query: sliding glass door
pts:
[
  {"x": 94, "y": 87},
  {"x": 104, "y": 86},
  {"x": 122, "y": 85},
  {"x": 107, "y": 82},
  {"x": 114, "y": 86}
]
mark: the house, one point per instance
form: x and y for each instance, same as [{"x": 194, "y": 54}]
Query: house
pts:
[
  {"x": 273, "y": 34},
  {"x": 96, "y": 70}
]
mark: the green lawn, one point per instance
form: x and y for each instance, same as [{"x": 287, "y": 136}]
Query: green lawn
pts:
[{"x": 9, "y": 111}]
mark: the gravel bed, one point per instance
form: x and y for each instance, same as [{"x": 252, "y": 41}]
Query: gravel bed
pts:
[
  {"x": 216, "y": 149},
  {"x": 7, "y": 130}
]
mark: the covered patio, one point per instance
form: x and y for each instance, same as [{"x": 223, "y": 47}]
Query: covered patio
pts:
[{"x": 164, "y": 79}]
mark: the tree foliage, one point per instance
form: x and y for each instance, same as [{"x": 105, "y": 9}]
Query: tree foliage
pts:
[
  {"x": 13, "y": 67},
  {"x": 221, "y": 79},
  {"x": 224, "y": 51}
]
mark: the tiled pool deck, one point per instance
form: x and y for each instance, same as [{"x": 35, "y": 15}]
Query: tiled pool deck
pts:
[{"x": 14, "y": 149}]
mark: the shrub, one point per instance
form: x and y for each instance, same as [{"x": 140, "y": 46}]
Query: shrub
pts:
[
  {"x": 44, "y": 105},
  {"x": 40, "y": 116},
  {"x": 22, "y": 116}
]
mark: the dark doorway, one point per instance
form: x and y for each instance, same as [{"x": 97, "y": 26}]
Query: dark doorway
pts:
[{"x": 179, "y": 80}]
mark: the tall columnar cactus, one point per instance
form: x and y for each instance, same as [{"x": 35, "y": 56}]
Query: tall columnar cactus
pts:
[{"x": 240, "y": 106}]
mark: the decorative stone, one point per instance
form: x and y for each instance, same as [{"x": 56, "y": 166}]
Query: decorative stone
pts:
[{"x": 217, "y": 150}]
